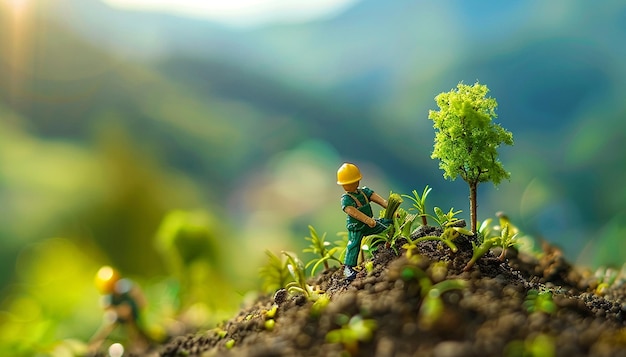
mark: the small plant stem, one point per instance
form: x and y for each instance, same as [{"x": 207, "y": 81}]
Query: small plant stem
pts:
[{"x": 502, "y": 255}]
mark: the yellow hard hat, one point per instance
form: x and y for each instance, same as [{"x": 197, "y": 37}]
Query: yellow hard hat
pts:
[
  {"x": 347, "y": 174},
  {"x": 105, "y": 279}
]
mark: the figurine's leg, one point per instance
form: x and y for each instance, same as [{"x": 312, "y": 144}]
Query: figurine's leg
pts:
[
  {"x": 354, "y": 245},
  {"x": 103, "y": 332},
  {"x": 139, "y": 339},
  {"x": 352, "y": 252}
]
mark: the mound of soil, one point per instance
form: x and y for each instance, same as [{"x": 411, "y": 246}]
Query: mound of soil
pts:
[{"x": 528, "y": 305}]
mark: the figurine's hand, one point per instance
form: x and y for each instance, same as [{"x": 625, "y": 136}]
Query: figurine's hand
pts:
[
  {"x": 124, "y": 312},
  {"x": 371, "y": 223}
]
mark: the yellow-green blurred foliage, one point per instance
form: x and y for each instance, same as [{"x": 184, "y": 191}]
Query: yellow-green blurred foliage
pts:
[
  {"x": 52, "y": 299},
  {"x": 192, "y": 245},
  {"x": 110, "y": 202}
]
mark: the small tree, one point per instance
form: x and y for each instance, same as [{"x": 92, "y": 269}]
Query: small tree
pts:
[{"x": 466, "y": 138}]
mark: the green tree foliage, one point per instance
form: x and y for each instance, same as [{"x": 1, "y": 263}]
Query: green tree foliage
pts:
[{"x": 466, "y": 139}]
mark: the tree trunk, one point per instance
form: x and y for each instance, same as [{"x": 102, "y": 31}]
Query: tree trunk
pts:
[{"x": 473, "y": 189}]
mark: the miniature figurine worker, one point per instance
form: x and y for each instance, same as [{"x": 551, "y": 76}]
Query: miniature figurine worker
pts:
[
  {"x": 121, "y": 301},
  {"x": 359, "y": 222}
]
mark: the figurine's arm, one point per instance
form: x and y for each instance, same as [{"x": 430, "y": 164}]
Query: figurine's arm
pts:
[
  {"x": 378, "y": 199},
  {"x": 355, "y": 213}
]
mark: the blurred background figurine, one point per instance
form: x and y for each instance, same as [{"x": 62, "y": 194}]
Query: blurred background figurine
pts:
[
  {"x": 122, "y": 301},
  {"x": 359, "y": 222}
]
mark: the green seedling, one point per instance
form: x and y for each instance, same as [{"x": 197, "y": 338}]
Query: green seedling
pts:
[
  {"x": 230, "y": 344},
  {"x": 606, "y": 277},
  {"x": 539, "y": 301},
  {"x": 275, "y": 273},
  {"x": 419, "y": 203},
  {"x": 506, "y": 240},
  {"x": 271, "y": 313},
  {"x": 320, "y": 305},
  {"x": 393, "y": 203},
  {"x": 269, "y": 317},
  {"x": 445, "y": 220},
  {"x": 438, "y": 271},
  {"x": 299, "y": 285},
  {"x": 541, "y": 345},
  {"x": 466, "y": 139},
  {"x": 322, "y": 248},
  {"x": 369, "y": 267},
  {"x": 355, "y": 330},
  {"x": 448, "y": 236},
  {"x": 402, "y": 223},
  {"x": 405, "y": 221},
  {"x": 486, "y": 230},
  {"x": 269, "y": 324},
  {"x": 220, "y": 333},
  {"x": 478, "y": 252},
  {"x": 342, "y": 244},
  {"x": 432, "y": 306},
  {"x": 296, "y": 269},
  {"x": 400, "y": 226}
]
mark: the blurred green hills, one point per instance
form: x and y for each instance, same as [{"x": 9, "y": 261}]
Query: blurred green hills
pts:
[{"x": 110, "y": 119}]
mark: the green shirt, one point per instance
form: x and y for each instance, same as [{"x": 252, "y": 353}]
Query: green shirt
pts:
[{"x": 362, "y": 195}]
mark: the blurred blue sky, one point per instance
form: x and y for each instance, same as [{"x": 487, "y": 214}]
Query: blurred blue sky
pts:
[{"x": 241, "y": 13}]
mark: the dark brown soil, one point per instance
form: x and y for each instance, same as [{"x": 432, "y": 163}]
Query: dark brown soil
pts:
[{"x": 494, "y": 315}]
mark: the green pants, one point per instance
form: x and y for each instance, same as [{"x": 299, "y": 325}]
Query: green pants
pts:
[{"x": 355, "y": 236}]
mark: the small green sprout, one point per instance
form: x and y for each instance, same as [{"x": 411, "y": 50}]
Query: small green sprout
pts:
[
  {"x": 319, "y": 305},
  {"x": 539, "y": 301},
  {"x": 393, "y": 203},
  {"x": 342, "y": 244},
  {"x": 275, "y": 273},
  {"x": 448, "y": 236},
  {"x": 299, "y": 285},
  {"x": 506, "y": 240},
  {"x": 371, "y": 242},
  {"x": 438, "y": 271},
  {"x": 220, "y": 333},
  {"x": 419, "y": 203},
  {"x": 607, "y": 277},
  {"x": 320, "y": 246},
  {"x": 296, "y": 269},
  {"x": 445, "y": 220},
  {"x": 485, "y": 231},
  {"x": 272, "y": 311},
  {"x": 369, "y": 267},
  {"x": 393, "y": 231},
  {"x": 478, "y": 252},
  {"x": 269, "y": 324},
  {"x": 407, "y": 221},
  {"x": 401, "y": 228},
  {"x": 432, "y": 306},
  {"x": 351, "y": 333},
  {"x": 230, "y": 344},
  {"x": 541, "y": 345}
]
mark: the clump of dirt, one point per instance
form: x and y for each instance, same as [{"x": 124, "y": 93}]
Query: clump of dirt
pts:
[{"x": 521, "y": 307}]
